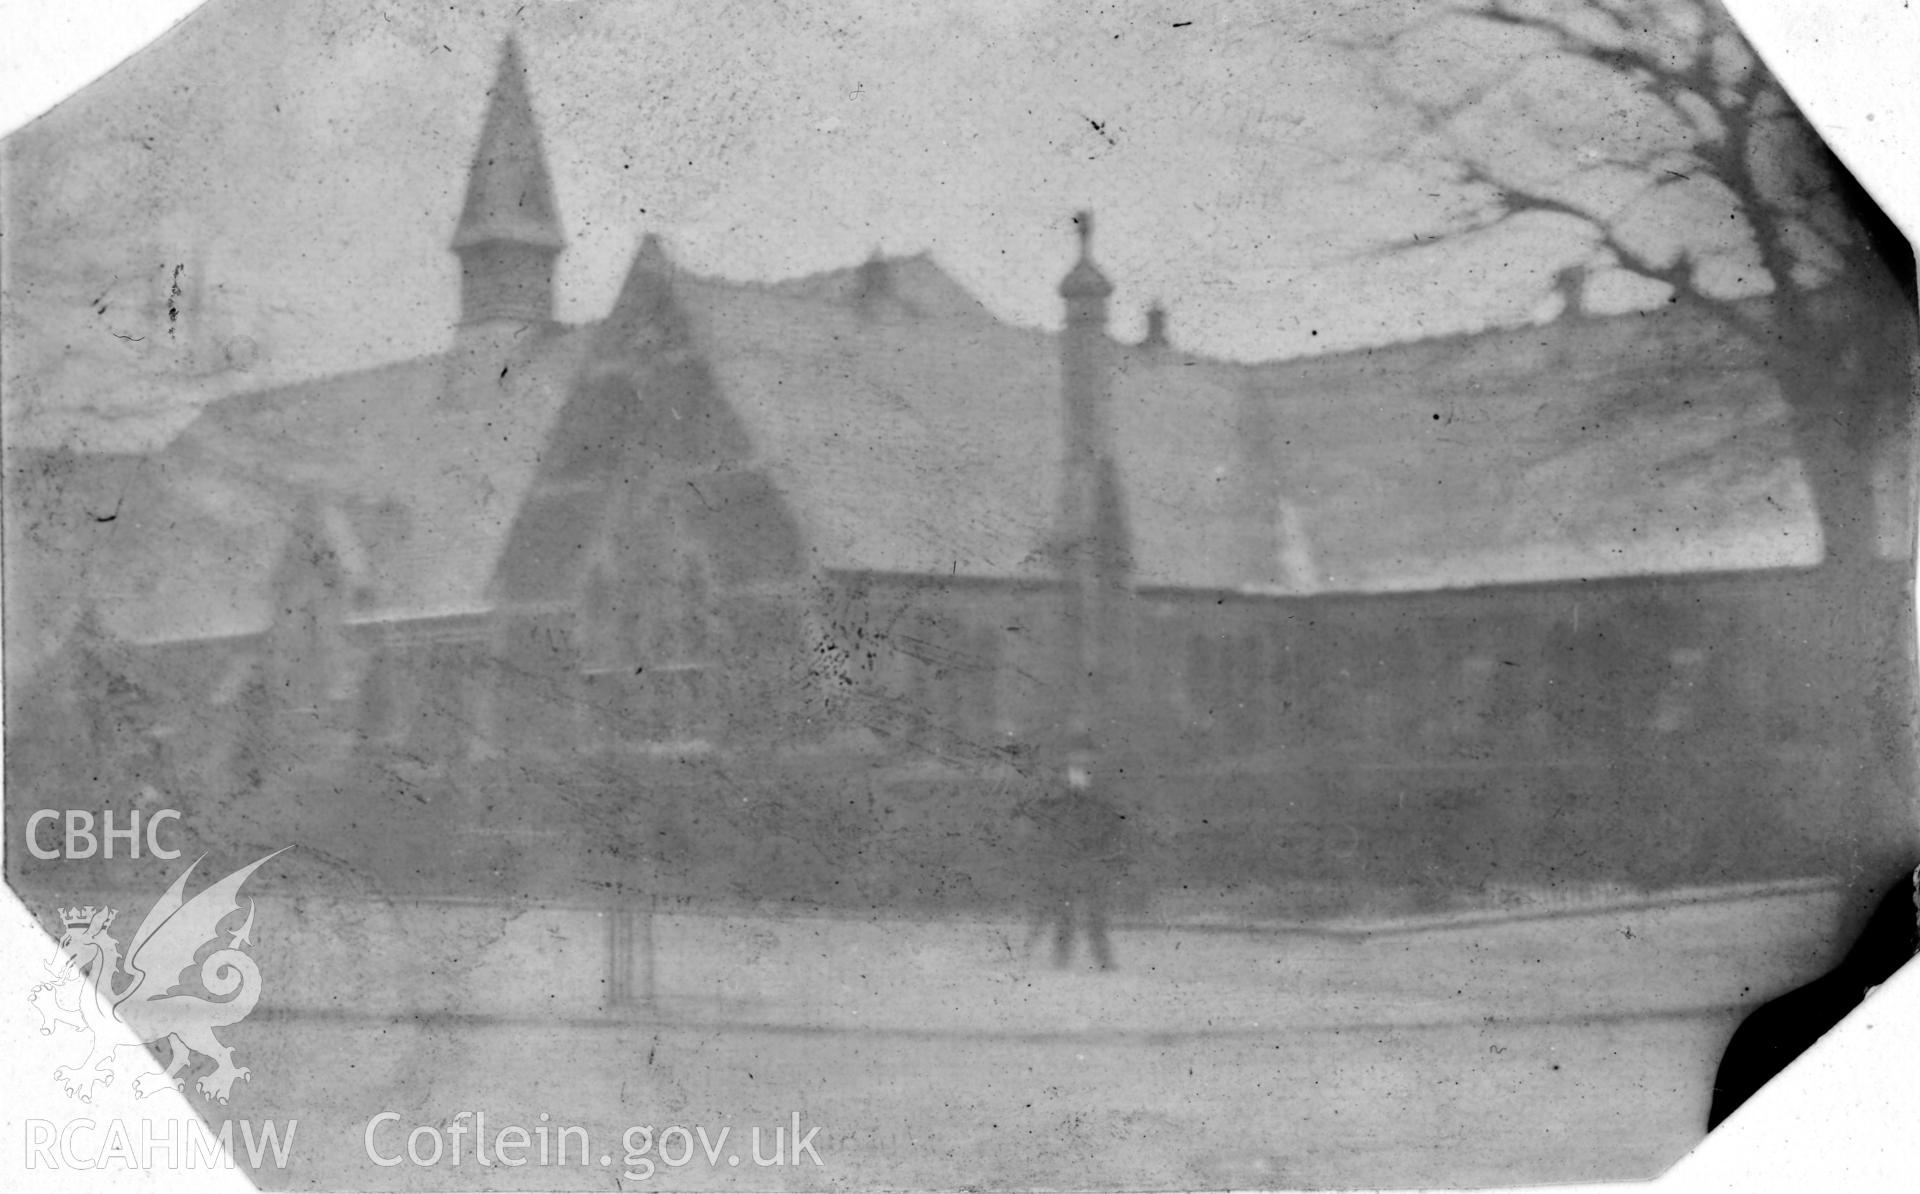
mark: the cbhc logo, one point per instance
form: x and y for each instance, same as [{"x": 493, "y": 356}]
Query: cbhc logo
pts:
[{"x": 81, "y": 842}]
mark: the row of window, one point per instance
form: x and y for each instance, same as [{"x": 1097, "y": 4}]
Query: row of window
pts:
[
  {"x": 664, "y": 667},
  {"x": 1249, "y": 692},
  {"x": 1246, "y": 690}
]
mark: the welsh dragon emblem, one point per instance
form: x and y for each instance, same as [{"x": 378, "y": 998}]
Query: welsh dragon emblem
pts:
[{"x": 93, "y": 986}]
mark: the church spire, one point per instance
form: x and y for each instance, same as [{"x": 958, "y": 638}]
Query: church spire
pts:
[{"x": 509, "y": 232}]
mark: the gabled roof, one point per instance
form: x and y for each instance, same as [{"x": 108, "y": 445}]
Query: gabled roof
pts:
[
  {"x": 889, "y": 288},
  {"x": 906, "y": 430},
  {"x": 901, "y": 442},
  {"x": 1587, "y": 447}
]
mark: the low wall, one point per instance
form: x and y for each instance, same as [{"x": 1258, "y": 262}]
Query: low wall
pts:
[
  {"x": 352, "y": 958},
  {"x": 859, "y": 837}
]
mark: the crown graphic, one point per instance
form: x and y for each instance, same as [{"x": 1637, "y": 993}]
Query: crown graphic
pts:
[{"x": 80, "y": 918}]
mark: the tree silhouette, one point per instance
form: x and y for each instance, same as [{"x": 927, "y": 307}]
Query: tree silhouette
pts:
[{"x": 1651, "y": 129}]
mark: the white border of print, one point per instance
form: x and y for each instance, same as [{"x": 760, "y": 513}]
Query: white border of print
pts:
[{"x": 1842, "y": 1117}]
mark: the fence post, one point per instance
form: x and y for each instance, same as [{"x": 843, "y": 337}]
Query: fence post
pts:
[
  {"x": 644, "y": 946},
  {"x": 629, "y": 944},
  {"x": 619, "y": 977}
]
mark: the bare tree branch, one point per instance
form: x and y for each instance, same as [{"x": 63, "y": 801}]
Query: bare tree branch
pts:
[{"x": 1830, "y": 343}]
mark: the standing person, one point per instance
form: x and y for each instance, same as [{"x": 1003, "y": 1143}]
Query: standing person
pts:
[{"x": 1081, "y": 854}]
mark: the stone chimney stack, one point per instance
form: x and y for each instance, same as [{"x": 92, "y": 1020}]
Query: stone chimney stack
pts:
[
  {"x": 1156, "y": 337},
  {"x": 509, "y": 232},
  {"x": 1091, "y": 531}
]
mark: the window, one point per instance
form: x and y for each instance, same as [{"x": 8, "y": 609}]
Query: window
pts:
[
  {"x": 379, "y": 696},
  {"x": 1203, "y": 675},
  {"x": 695, "y": 608},
  {"x": 601, "y": 643},
  {"x": 1677, "y": 707},
  {"x": 1257, "y": 695},
  {"x": 985, "y": 704},
  {"x": 439, "y": 719},
  {"x": 1473, "y": 698},
  {"x": 675, "y": 637}
]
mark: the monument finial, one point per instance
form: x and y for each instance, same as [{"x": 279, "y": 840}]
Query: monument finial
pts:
[{"x": 1084, "y": 280}]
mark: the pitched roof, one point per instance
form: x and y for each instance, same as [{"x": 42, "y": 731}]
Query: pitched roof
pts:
[
  {"x": 902, "y": 442},
  {"x": 68, "y": 522},
  {"x": 418, "y": 467},
  {"x": 1587, "y": 447},
  {"x": 909, "y": 431}
]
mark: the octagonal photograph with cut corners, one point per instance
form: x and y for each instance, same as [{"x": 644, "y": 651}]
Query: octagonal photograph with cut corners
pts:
[{"x": 821, "y": 597}]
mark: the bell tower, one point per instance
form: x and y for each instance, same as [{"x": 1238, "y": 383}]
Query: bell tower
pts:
[{"x": 509, "y": 232}]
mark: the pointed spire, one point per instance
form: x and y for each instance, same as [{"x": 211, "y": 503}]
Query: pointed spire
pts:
[
  {"x": 509, "y": 231},
  {"x": 509, "y": 196}
]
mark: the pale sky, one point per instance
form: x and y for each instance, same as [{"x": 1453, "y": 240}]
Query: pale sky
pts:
[{"x": 1245, "y": 168}]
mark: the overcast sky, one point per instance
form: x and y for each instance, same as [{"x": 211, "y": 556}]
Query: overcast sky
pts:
[
  {"x": 1247, "y": 167},
  {"x": 1843, "y": 60}
]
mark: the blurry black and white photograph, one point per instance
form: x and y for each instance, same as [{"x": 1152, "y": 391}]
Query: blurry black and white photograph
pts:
[{"x": 622, "y": 594}]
